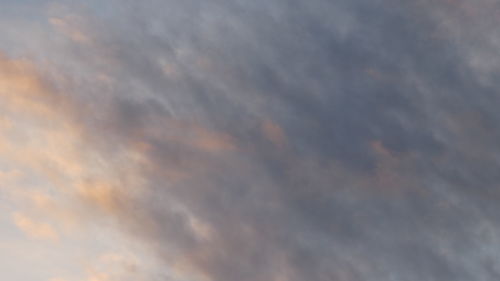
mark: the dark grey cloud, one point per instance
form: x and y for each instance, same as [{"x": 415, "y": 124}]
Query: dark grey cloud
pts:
[{"x": 387, "y": 169}]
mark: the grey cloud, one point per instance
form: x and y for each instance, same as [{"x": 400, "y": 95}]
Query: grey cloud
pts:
[{"x": 390, "y": 168}]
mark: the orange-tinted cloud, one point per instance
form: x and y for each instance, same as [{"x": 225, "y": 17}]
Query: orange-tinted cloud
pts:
[
  {"x": 35, "y": 229},
  {"x": 274, "y": 133},
  {"x": 72, "y": 27}
]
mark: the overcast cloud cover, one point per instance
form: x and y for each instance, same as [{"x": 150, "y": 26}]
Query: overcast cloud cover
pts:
[{"x": 263, "y": 140}]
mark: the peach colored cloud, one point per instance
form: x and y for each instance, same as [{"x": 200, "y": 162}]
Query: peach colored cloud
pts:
[
  {"x": 35, "y": 229},
  {"x": 71, "y": 26},
  {"x": 274, "y": 133}
]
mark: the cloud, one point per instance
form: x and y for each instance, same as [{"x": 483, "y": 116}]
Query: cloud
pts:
[
  {"x": 35, "y": 229},
  {"x": 272, "y": 140},
  {"x": 66, "y": 26},
  {"x": 274, "y": 133}
]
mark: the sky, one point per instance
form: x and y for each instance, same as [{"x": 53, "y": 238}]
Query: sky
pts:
[{"x": 264, "y": 140}]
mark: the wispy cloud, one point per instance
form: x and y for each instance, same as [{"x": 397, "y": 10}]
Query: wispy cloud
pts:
[{"x": 271, "y": 140}]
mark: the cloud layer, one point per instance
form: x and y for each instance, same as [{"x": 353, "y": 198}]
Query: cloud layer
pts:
[{"x": 272, "y": 140}]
